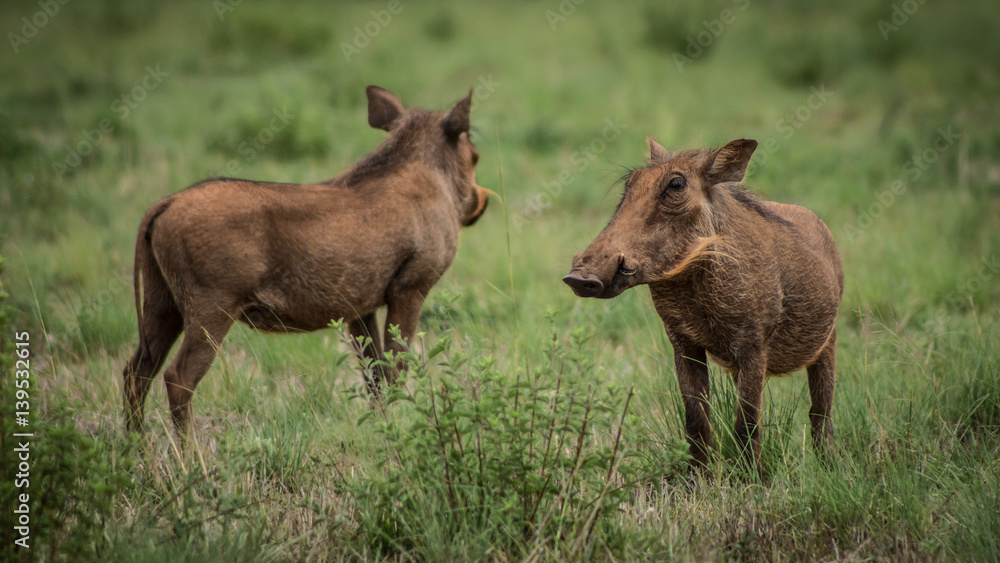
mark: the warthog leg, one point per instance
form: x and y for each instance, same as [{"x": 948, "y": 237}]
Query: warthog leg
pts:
[
  {"x": 161, "y": 325},
  {"x": 202, "y": 337},
  {"x": 750, "y": 377},
  {"x": 367, "y": 327},
  {"x": 139, "y": 374},
  {"x": 692, "y": 378},
  {"x": 821, "y": 387},
  {"x": 403, "y": 311}
]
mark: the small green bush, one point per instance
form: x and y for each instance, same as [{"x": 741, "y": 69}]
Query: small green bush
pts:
[{"x": 472, "y": 462}]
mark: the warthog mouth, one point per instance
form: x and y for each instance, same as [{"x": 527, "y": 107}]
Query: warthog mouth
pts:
[{"x": 584, "y": 283}]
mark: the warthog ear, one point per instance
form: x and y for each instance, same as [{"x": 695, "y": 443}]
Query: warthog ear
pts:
[
  {"x": 383, "y": 108},
  {"x": 657, "y": 154},
  {"x": 457, "y": 121},
  {"x": 729, "y": 163}
]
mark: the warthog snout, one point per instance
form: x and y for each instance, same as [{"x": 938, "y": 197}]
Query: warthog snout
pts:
[
  {"x": 583, "y": 285},
  {"x": 602, "y": 279}
]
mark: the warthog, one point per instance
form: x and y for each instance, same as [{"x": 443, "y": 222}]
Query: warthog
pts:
[
  {"x": 754, "y": 284},
  {"x": 288, "y": 257}
]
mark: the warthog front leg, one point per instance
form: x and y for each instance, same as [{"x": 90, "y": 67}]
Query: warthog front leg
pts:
[
  {"x": 366, "y": 329},
  {"x": 692, "y": 378},
  {"x": 750, "y": 376},
  {"x": 404, "y": 312}
]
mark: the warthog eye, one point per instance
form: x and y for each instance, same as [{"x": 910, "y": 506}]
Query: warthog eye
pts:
[
  {"x": 626, "y": 271},
  {"x": 676, "y": 183}
]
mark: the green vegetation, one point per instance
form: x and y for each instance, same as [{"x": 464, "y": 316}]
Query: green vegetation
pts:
[
  {"x": 478, "y": 464},
  {"x": 881, "y": 118}
]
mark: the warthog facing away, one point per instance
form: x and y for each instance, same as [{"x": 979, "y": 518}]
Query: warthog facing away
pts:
[
  {"x": 755, "y": 284},
  {"x": 287, "y": 257}
]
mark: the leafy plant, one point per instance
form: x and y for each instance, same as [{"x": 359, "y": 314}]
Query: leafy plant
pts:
[{"x": 540, "y": 462}]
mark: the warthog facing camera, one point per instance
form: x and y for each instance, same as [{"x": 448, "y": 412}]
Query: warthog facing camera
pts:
[{"x": 754, "y": 284}]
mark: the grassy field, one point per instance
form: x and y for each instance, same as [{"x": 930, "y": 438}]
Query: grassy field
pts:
[{"x": 516, "y": 436}]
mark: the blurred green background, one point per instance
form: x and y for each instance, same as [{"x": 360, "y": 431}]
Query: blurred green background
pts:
[
  {"x": 882, "y": 117},
  {"x": 844, "y": 102}
]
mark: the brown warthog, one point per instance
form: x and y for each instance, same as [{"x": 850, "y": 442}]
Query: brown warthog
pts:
[
  {"x": 288, "y": 257},
  {"x": 755, "y": 284}
]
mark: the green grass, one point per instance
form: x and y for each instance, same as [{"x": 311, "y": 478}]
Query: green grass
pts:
[{"x": 283, "y": 469}]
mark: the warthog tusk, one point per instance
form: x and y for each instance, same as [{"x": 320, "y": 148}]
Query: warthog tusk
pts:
[
  {"x": 621, "y": 267},
  {"x": 482, "y": 194}
]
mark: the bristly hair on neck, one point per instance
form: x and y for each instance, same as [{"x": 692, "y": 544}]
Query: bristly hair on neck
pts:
[
  {"x": 391, "y": 154},
  {"x": 743, "y": 195}
]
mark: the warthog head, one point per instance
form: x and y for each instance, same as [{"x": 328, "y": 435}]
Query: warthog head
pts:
[
  {"x": 446, "y": 136},
  {"x": 664, "y": 220}
]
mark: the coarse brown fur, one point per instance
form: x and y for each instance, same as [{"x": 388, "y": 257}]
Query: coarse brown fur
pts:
[
  {"x": 288, "y": 257},
  {"x": 755, "y": 285}
]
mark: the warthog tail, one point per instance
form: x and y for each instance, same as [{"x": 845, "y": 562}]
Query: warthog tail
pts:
[{"x": 143, "y": 252}]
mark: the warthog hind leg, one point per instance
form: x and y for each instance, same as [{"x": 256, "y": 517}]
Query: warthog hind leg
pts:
[
  {"x": 822, "y": 381},
  {"x": 161, "y": 325},
  {"x": 202, "y": 337}
]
